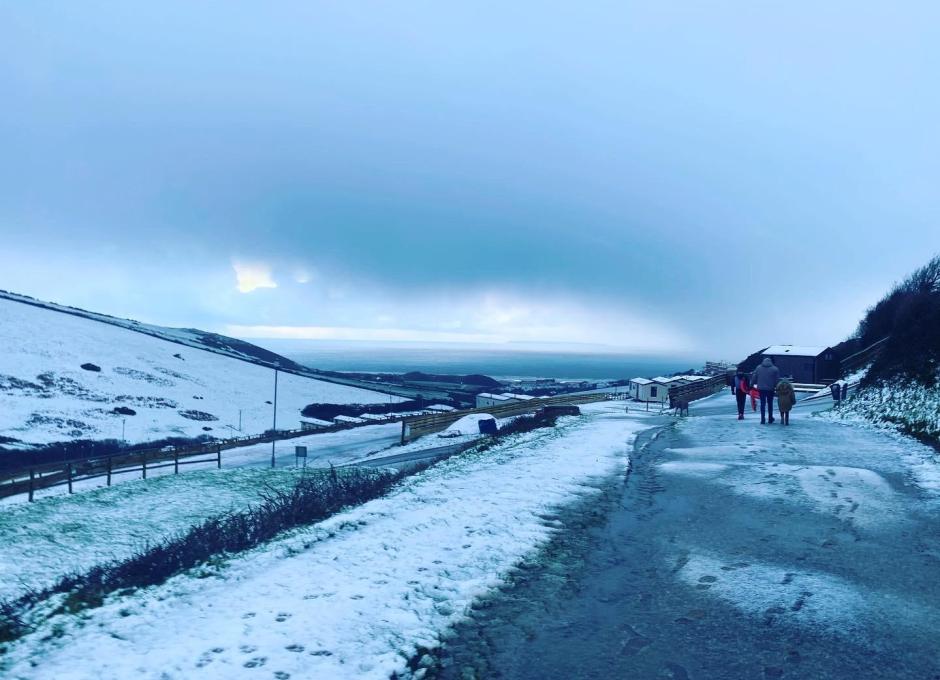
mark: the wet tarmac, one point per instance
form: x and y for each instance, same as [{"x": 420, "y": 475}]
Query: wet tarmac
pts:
[{"x": 730, "y": 550}]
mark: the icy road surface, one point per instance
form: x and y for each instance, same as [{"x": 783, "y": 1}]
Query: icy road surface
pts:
[{"x": 735, "y": 550}]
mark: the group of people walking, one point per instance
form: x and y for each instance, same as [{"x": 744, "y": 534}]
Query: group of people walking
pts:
[{"x": 764, "y": 384}]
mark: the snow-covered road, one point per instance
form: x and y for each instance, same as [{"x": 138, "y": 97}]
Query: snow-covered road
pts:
[{"x": 356, "y": 595}]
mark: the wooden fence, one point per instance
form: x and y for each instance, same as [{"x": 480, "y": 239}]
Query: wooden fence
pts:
[
  {"x": 697, "y": 390},
  {"x": 31, "y": 478},
  {"x": 69, "y": 473},
  {"x": 418, "y": 426},
  {"x": 853, "y": 362}
]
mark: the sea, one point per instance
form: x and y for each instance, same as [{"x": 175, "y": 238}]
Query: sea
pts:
[{"x": 501, "y": 363}]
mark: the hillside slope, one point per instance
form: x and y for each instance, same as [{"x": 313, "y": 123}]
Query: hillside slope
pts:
[
  {"x": 901, "y": 389},
  {"x": 168, "y": 378},
  {"x": 191, "y": 337}
]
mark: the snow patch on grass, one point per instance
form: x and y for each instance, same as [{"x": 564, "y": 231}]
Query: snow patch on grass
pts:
[{"x": 42, "y": 541}]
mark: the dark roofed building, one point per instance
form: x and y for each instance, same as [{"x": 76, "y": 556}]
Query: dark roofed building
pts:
[{"x": 802, "y": 364}]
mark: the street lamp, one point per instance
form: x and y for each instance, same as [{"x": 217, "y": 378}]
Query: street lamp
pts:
[{"x": 274, "y": 427}]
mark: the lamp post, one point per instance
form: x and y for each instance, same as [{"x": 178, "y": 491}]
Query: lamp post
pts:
[{"x": 274, "y": 427}]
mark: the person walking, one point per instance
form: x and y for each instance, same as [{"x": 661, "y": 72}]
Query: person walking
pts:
[
  {"x": 755, "y": 396},
  {"x": 765, "y": 377},
  {"x": 741, "y": 389},
  {"x": 786, "y": 398}
]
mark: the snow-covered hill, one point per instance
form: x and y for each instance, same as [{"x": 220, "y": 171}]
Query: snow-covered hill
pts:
[
  {"x": 191, "y": 337},
  {"x": 63, "y": 372}
]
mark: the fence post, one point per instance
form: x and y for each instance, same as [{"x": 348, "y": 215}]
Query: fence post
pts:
[
  {"x": 403, "y": 431},
  {"x": 69, "y": 468},
  {"x": 144, "y": 456},
  {"x": 218, "y": 454},
  {"x": 176, "y": 462},
  {"x": 31, "y": 474},
  {"x": 109, "y": 470}
]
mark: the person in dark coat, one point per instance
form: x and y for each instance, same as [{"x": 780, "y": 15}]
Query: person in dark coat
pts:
[
  {"x": 845, "y": 390},
  {"x": 765, "y": 377},
  {"x": 741, "y": 387}
]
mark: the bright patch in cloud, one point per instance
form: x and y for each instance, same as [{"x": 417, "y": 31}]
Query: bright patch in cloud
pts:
[{"x": 252, "y": 275}]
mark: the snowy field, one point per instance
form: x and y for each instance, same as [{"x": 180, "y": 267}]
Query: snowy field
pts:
[
  {"x": 356, "y": 595},
  {"x": 46, "y": 396}
]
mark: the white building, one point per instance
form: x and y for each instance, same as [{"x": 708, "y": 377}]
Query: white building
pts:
[
  {"x": 656, "y": 389},
  {"x": 635, "y": 386},
  {"x": 487, "y": 399},
  {"x": 348, "y": 420},
  {"x": 314, "y": 424}
]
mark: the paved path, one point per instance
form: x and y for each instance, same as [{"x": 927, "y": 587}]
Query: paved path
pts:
[{"x": 733, "y": 550}]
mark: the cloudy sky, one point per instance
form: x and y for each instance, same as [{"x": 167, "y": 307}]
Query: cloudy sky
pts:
[{"x": 659, "y": 176}]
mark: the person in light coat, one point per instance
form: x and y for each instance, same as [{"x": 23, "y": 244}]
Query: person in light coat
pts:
[
  {"x": 765, "y": 378},
  {"x": 786, "y": 398}
]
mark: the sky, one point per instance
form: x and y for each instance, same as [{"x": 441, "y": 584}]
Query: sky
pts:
[{"x": 659, "y": 177}]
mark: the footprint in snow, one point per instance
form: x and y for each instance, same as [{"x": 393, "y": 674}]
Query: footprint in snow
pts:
[
  {"x": 256, "y": 662},
  {"x": 282, "y": 617}
]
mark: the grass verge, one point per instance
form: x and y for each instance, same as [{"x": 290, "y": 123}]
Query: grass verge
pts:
[{"x": 315, "y": 497}]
